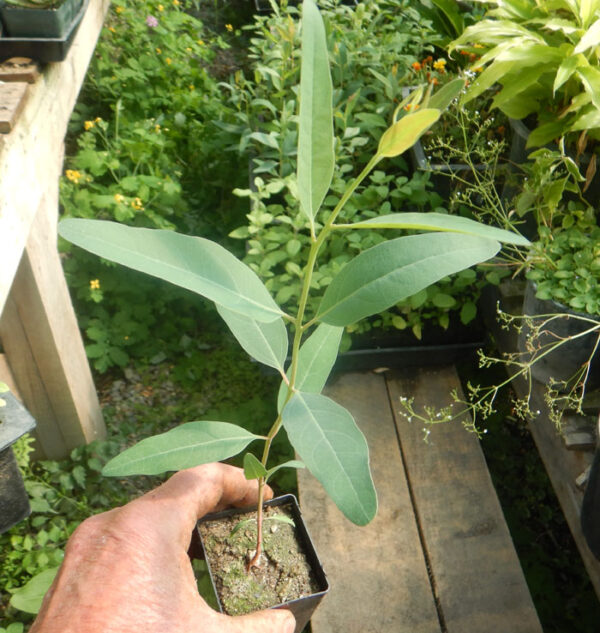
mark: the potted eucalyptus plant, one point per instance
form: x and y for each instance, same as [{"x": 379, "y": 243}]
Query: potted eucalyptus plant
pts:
[{"x": 324, "y": 434}]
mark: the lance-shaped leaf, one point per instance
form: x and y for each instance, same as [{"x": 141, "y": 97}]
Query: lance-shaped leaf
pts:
[
  {"x": 335, "y": 451},
  {"x": 315, "y": 127},
  {"x": 185, "y": 446},
  {"x": 439, "y": 222},
  {"x": 265, "y": 342},
  {"x": 316, "y": 358},
  {"x": 445, "y": 95},
  {"x": 383, "y": 275},
  {"x": 406, "y": 132},
  {"x": 193, "y": 263}
]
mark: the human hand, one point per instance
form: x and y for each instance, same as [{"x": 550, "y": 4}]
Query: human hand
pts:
[{"x": 127, "y": 570}]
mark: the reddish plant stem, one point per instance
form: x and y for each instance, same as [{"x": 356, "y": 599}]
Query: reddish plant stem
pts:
[{"x": 255, "y": 561}]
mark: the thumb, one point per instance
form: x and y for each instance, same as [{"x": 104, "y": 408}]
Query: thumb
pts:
[{"x": 267, "y": 621}]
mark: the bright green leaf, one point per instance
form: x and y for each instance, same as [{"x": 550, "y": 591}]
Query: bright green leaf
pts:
[
  {"x": 265, "y": 342},
  {"x": 491, "y": 75},
  {"x": 391, "y": 271},
  {"x": 439, "y": 222},
  {"x": 185, "y": 446},
  {"x": 590, "y": 38},
  {"x": 253, "y": 469},
  {"x": 446, "y": 95},
  {"x": 335, "y": 451},
  {"x": 29, "y": 597},
  {"x": 315, "y": 128},
  {"x": 590, "y": 77},
  {"x": 316, "y": 358},
  {"x": 292, "y": 463},
  {"x": 565, "y": 71},
  {"x": 194, "y": 263},
  {"x": 406, "y": 132}
]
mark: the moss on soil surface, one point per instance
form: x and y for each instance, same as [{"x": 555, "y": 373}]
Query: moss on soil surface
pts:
[{"x": 284, "y": 573}]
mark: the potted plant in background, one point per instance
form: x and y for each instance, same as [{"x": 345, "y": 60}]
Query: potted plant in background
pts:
[{"x": 323, "y": 433}]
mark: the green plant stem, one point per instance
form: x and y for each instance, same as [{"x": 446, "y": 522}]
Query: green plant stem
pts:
[{"x": 300, "y": 328}]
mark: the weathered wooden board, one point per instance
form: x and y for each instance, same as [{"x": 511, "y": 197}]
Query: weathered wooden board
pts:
[
  {"x": 41, "y": 340},
  {"x": 378, "y": 573},
  {"x": 478, "y": 579},
  {"x": 19, "y": 69},
  {"x": 12, "y": 100},
  {"x": 7, "y": 377}
]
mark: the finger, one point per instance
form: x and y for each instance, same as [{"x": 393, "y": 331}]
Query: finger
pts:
[
  {"x": 192, "y": 493},
  {"x": 267, "y": 621}
]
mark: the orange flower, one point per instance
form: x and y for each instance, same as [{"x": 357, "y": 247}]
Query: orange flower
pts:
[{"x": 416, "y": 66}]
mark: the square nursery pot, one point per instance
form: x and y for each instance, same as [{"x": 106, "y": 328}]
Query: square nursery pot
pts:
[
  {"x": 51, "y": 23},
  {"x": 304, "y": 558},
  {"x": 15, "y": 421}
]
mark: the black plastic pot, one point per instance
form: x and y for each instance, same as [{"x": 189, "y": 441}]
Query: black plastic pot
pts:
[
  {"x": 563, "y": 363},
  {"x": 34, "y": 22},
  {"x": 42, "y": 48},
  {"x": 302, "y": 608},
  {"x": 590, "y": 507},
  {"x": 15, "y": 421}
]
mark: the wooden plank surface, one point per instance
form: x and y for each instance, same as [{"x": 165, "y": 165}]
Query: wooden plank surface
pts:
[
  {"x": 378, "y": 573},
  {"x": 7, "y": 377},
  {"x": 478, "y": 578}
]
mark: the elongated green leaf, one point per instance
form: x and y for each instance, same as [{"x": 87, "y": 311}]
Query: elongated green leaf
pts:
[
  {"x": 546, "y": 133},
  {"x": 29, "y": 597},
  {"x": 587, "y": 121},
  {"x": 253, "y": 469},
  {"x": 316, "y": 358},
  {"x": 452, "y": 13},
  {"x": 406, "y": 132},
  {"x": 439, "y": 222},
  {"x": 184, "y": 446},
  {"x": 492, "y": 74},
  {"x": 265, "y": 342},
  {"x": 335, "y": 451},
  {"x": 515, "y": 83},
  {"x": 292, "y": 463},
  {"x": 446, "y": 94},
  {"x": 383, "y": 275},
  {"x": 565, "y": 71},
  {"x": 590, "y": 77},
  {"x": 315, "y": 128},
  {"x": 190, "y": 262}
]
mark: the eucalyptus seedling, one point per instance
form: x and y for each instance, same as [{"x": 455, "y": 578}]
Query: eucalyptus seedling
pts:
[{"x": 323, "y": 433}]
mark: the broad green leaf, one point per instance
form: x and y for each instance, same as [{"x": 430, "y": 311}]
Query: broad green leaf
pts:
[
  {"x": 193, "y": 263},
  {"x": 187, "y": 445},
  {"x": 515, "y": 83},
  {"x": 451, "y": 12},
  {"x": 315, "y": 127},
  {"x": 266, "y": 139},
  {"x": 316, "y": 358},
  {"x": 587, "y": 121},
  {"x": 28, "y": 598},
  {"x": 445, "y": 95},
  {"x": 253, "y": 469},
  {"x": 544, "y": 134},
  {"x": 292, "y": 463},
  {"x": 590, "y": 77},
  {"x": 391, "y": 271},
  {"x": 491, "y": 75},
  {"x": 406, "y": 132},
  {"x": 439, "y": 222},
  {"x": 565, "y": 71},
  {"x": 335, "y": 451},
  {"x": 531, "y": 54},
  {"x": 265, "y": 342}
]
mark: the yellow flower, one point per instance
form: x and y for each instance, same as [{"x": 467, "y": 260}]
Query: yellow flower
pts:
[
  {"x": 112, "y": 29},
  {"x": 160, "y": 7},
  {"x": 229, "y": 27},
  {"x": 192, "y": 87},
  {"x": 157, "y": 128},
  {"x": 440, "y": 64},
  {"x": 94, "y": 284},
  {"x": 169, "y": 60},
  {"x": 201, "y": 42},
  {"x": 176, "y": 3},
  {"x": 119, "y": 198},
  {"x": 73, "y": 175},
  {"x": 137, "y": 204},
  {"x": 98, "y": 119},
  {"x": 188, "y": 49},
  {"x": 88, "y": 125},
  {"x": 119, "y": 9},
  {"x": 159, "y": 51}
]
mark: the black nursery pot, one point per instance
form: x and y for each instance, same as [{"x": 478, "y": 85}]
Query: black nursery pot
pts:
[
  {"x": 563, "y": 363},
  {"x": 303, "y": 607},
  {"x": 15, "y": 421},
  {"x": 39, "y": 23},
  {"x": 590, "y": 507}
]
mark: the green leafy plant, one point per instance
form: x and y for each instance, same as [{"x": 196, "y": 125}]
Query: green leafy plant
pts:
[
  {"x": 323, "y": 433},
  {"x": 544, "y": 57}
]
